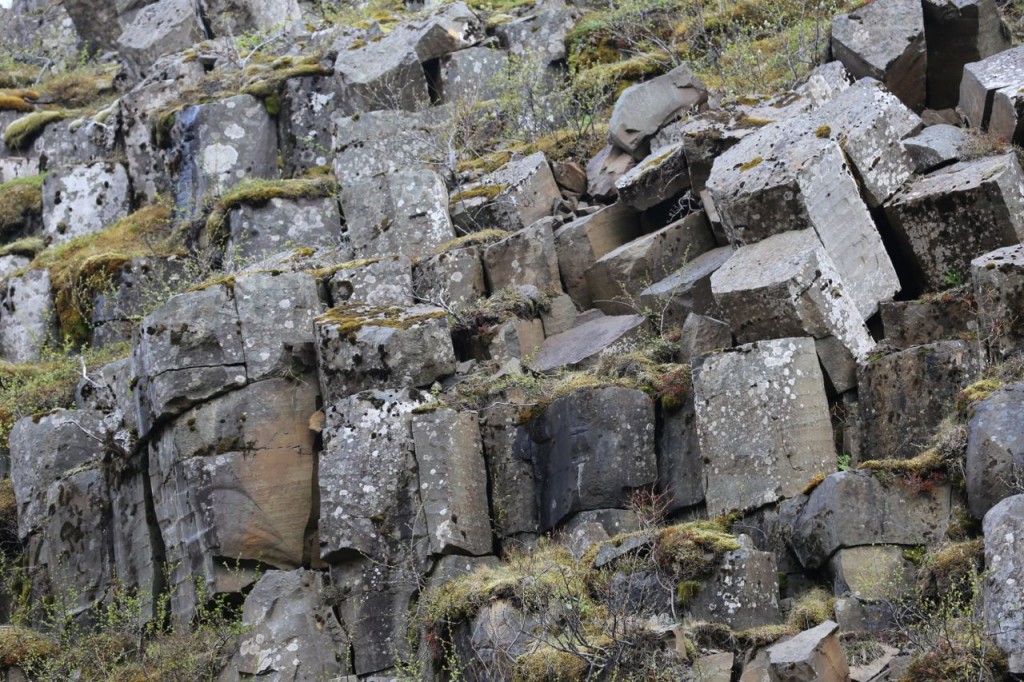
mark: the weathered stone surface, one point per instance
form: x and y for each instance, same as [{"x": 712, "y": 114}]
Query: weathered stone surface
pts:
[
  {"x": 855, "y": 508},
  {"x": 42, "y": 451},
  {"x": 383, "y": 74},
  {"x": 885, "y": 40},
  {"x": 369, "y": 491},
  {"x": 616, "y": 279},
  {"x": 84, "y": 200},
  {"x": 1004, "y": 621},
  {"x": 592, "y": 448},
  {"x": 404, "y": 213},
  {"x": 232, "y": 481},
  {"x": 160, "y": 28},
  {"x": 471, "y": 75},
  {"x": 560, "y": 315},
  {"x": 905, "y": 395},
  {"x": 360, "y": 347},
  {"x": 93, "y": 24},
  {"x": 680, "y": 466},
  {"x": 743, "y": 592},
  {"x": 511, "y": 198},
  {"x": 369, "y": 144},
  {"x": 995, "y": 449},
  {"x": 219, "y": 144},
  {"x": 280, "y": 224},
  {"x": 513, "y": 491},
  {"x": 660, "y": 176},
  {"x": 541, "y": 34},
  {"x": 85, "y": 140},
  {"x": 583, "y": 241},
  {"x": 453, "y": 482},
  {"x": 452, "y": 278},
  {"x": 814, "y": 654},
  {"x": 583, "y": 344},
  {"x": 189, "y": 349},
  {"x": 275, "y": 313},
  {"x": 644, "y": 108},
  {"x": 513, "y": 339},
  {"x": 778, "y": 386},
  {"x": 686, "y": 291},
  {"x": 787, "y": 286},
  {"x": 702, "y": 334},
  {"x": 309, "y": 106},
  {"x": 998, "y": 279},
  {"x": 915, "y": 323},
  {"x": 135, "y": 287},
  {"x": 27, "y": 318},
  {"x": 982, "y": 82},
  {"x": 936, "y": 146},
  {"x": 528, "y": 257},
  {"x": 604, "y": 170},
  {"x": 291, "y": 634},
  {"x": 958, "y": 33},
  {"x": 873, "y": 573},
  {"x": 715, "y": 667},
  {"x": 951, "y": 216},
  {"x": 378, "y": 283},
  {"x": 235, "y": 17},
  {"x": 589, "y": 528},
  {"x": 785, "y": 177},
  {"x": 450, "y": 27}
]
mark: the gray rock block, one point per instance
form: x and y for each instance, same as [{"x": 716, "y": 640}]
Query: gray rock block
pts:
[
  {"x": 743, "y": 592},
  {"x": 814, "y": 654},
  {"x": 161, "y": 28},
  {"x": 904, "y": 396},
  {"x": 381, "y": 75},
  {"x": 855, "y": 509},
  {"x": 681, "y": 474},
  {"x": 513, "y": 489},
  {"x": 308, "y": 108},
  {"x": 542, "y": 33},
  {"x": 947, "y": 218},
  {"x": 472, "y": 75},
  {"x": 256, "y": 232},
  {"x": 449, "y": 28},
  {"x": 133, "y": 289},
  {"x": 702, "y": 334},
  {"x": 583, "y": 241},
  {"x": 605, "y": 169},
  {"x": 957, "y": 34},
  {"x": 28, "y": 321},
  {"x": 453, "y": 482},
  {"x": 872, "y": 573},
  {"x": 885, "y": 41},
  {"x": 762, "y": 408},
  {"x": 924, "y": 321},
  {"x": 936, "y": 146},
  {"x": 981, "y": 84},
  {"x": 787, "y": 286},
  {"x": 616, "y": 280},
  {"x": 583, "y": 344},
  {"x": 644, "y": 108},
  {"x": 660, "y": 176},
  {"x": 217, "y": 145},
  {"x": 511, "y": 198},
  {"x": 402, "y": 213},
  {"x": 453, "y": 278},
  {"x": 361, "y": 347},
  {"x": 995, "y": 449},
  {"x": 291, "y": 634},
  {"x": 84, "y": 200},
  {"x": 686, "y": 291},
  {"x": 592, "y": 448},
  {"x": 998, "y": 279},
  {"x": 228, "y": 18},
  {"x": 378, "y": 283},
  {"x": 1004, "y": 621},
  {"x": 527, "y": 257}
]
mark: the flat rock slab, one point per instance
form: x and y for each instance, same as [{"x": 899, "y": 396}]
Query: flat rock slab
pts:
[
  {"x": 787, "y": 286},
  {"x": 378, "y": 283},
  {"x": 885, "y": 40},
  {"x": 856, "y": 509},
  {"x": 687, "y": 290},
  {"x": 584, "y": 343},
  {"x": 257, "y": 232},
  {"x": 763, "y": 423},
  {"x": 936, "y": 146},
  {"x": 1004, "y": 547},
  {"x": 644, "y": 108},
  {"x": 361, "y": 347},
  {"x": 583, "y": 241},
  {"x": 995, "y": 449},
  {"x": 814, "y": 654},
  {"x": 402, "y": 213},
  {"x": 904, "y": 396},
  {"x": 991, "y": 94},
  {"x": 947, "y": 218},
  {"x": 660, "y": 176},
  {"x": 998, "y": 279},
  {"x": 83, "y": 200}
]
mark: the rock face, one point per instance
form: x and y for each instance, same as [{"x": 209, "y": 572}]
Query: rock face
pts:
[
  {"x": 744, "y": 592},
  {"x": 779, "y": 384},
  {"x": 1001, "y": 586},
  {"x": 999, "y": 292},
  {"x": 84, "y": 200},
  {"x": 995, "y": 449},
  {"x": 885, "y": 40}
]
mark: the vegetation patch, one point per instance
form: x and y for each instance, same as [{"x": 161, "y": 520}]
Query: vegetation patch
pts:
[
  {"x": 810, "y": 610},
  {"x": 20, "y": 645},
  {"x": 20, "y": 200},
  {"x": 480, "y": 238},
  {"x": 347, "y": 320},
  {"x": 85, "y": 266},
  {"x": 18, "y": 134},
  {"x": 975, "y": 393}
]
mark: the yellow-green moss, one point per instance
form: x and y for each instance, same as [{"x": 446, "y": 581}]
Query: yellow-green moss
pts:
[
  {"x": 753, "y": 163},
  {"x": 975, "y": 393},
  {"x": 10, "y": 101},
  {"x": 269, "y": 84},
  {"x": 21, "y": 646},
  {"x": 28, "y": 247},
  {"x": 812, "y": 484},
  {"x": 347, "y": 320},
  {"x": 486, "y": 163},
  {"x": 548, "y": 664},
  {"x": 487, "y": 236},
  {"x": 20, "y": 199},
  {"x": 811, "y": 610},
  {"x": 692, "y": 551},
  {"x": 755, "y": 638},
  {"x": 953, "y": 566},
  {"x": 255, "y": 192},
  {"x": 483, "y": 191},
  {"x": 8, "y": 507},
  {"x": 83, "y": 266},
  {"x": 21, "y": 131},
  {"x": 929, "y": 462},
  {"x": 823, "y": 131}
]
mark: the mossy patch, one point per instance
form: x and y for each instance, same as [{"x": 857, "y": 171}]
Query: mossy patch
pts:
[
  {"x": 27, "y": 247},
  {"x": 85, "y": 265},
  {"x": 753, "y": 163},
  {"x": 951, "y": 568},
  {"x": 19, "y": 133},
  {"x": 550, "y": 664},
  {"x": 810, "y": 610},
  {"x": 975, "y": 393},
  {"x": 256, "y": 192},
  {"x": 486, "y": 191},
  {"x": 488, "y": 236},
  {"x": 692, "y": 551},
  {"x": 348, "y": 320},
  {"x": 823, "y": 132},
  {"x": 20, "y": 200},
  {"x": 10, "y": 101},
  {"x": 21, "y": 646}
]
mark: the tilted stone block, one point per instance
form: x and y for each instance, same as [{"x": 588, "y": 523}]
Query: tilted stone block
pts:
[
  {"x": 1004, "y": 537},
  {"x": 644, "y": 108},
  {"x": 84, "y": 200},
  {"x": 989, "y": 93},
  {"x": 511, "y": 198},
  {"x": 527, "y": 257},
  {"x": 256, "y": 232},
  {"x": 958, "y": 33},
  {"x": 379, "y": 283},
  {"x": 763, "y": 423},
  {"x": 999, "y": 294},
  {"x": 583, "y": 241},
  {"x": 660, "y": 176},
  {"x": 814, "y": 654},
  {"x": 995, "y": 449},
  {"x": 743, "y": 592}
]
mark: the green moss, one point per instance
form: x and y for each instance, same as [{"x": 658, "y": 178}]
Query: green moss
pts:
[
  {"x": 487, "y": 236},
  {"x": 686, "y": 590},
  {"x": 692, "y": 551},
  {"x": 487, "y": 163},
  {"x": 10, "y": 101},
  {"x": 755, "y": 122},
  {"x": 20, "y": 199},
  {"x": 322, "y": 273},
  {"x": 482, "y": 191},
  {"x": 21, "y": 646},
  {"x": 755, "y": 638},
  {"x": 928, "y": 463},
  {"x": 823, "y": 132},
  {"x": 810, "y": 610},
  {"x": 255, "y": 192},
  {"x": 226, "y": 281},
  {"x": 976, "y": 392},
  {"x": 951, "y": 570},
  {"x": 347, "y": 320},
  {"x": 812, "y": 484},
  {"x": 19, "y": 133},
  {"x": 753, "y": 163}
]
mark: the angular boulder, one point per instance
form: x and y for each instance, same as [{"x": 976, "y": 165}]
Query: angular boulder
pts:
[
  {"x": 256, "y": 232},
  {"x": 584, "y": 344},
  {"x": 160, "y": 28},
  {"x": 998, "y": 278},
  {"x": 814, "y": 654},
  {"x": 84, "y": 200},
  {"x": 374, "y": 282},
  {"x": 451, "y": 278},
  {"x": 513, "y": 490},
  {"x": 28, "y": 320},
  {"x": 1004, "y": 621},
  {"x": 644, "y": 108},
  {"x": 937, "y": 146},
  {"x": 687, "y": 290},
  {"x": 743, "y": 592},
  {"x": 995, "y": 449},
  {"x": 527, "y": 257},
  {"x": 381, "y": 75},
  {"x": 660, "y": 176},
  {"x": 583, "y": 241},
  {"x": 763, "y": 423},
  {"x": 511, "y": 198}
]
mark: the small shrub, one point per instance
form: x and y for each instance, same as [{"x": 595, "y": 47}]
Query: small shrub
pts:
[{"x": 811, "y": 610}]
